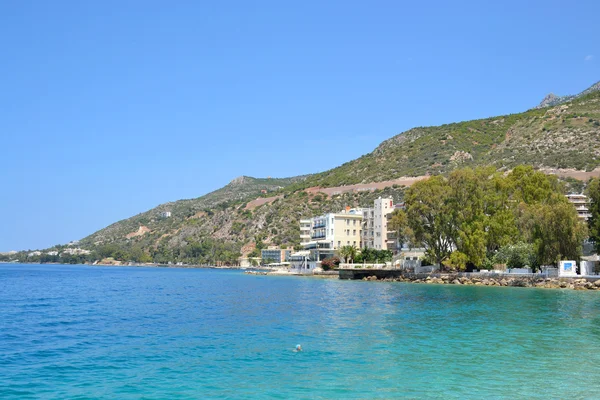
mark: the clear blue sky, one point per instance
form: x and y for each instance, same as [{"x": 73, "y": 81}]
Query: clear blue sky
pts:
[{"x": 110, "y": 108}]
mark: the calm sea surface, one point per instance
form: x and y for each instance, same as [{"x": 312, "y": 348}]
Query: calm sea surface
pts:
[{"x": 127, "y": 333}]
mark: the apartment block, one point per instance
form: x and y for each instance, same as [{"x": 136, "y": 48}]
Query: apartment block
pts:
[
  {"x": 581, "y": 203},
  {"x": 275, "y": 254},
  {"x": 331, "y": 231},
  {"x": 375, "y": 224}
]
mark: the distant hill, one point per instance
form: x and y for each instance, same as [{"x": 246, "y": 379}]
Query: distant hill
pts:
[
  {"x": 237, "y": 190},
  {"x": 563, "y": 135}
]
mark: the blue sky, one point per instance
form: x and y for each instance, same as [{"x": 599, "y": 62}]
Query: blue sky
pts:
[{"x": 110, "y": 108}]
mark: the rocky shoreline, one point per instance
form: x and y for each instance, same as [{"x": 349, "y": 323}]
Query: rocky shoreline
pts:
[{"x": 503, "y": 280}]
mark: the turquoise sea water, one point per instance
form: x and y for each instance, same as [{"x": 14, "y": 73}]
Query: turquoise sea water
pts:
[{"x": 127, "y": 333}]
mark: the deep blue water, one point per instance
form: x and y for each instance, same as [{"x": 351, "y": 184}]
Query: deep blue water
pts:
[{"x": 124, "y": 333}]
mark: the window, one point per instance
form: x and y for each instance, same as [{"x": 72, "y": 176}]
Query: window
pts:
[
  {"x": 354, "y": 222},
  {"x": 347, "y": 232},
  {"x": 347, "y": 222},
  {"x": 339, "y": 243},
  {"x": 355, "y": 242},
  {"x": 354, "y": 232},
  {"x": 348, "y": 243}
]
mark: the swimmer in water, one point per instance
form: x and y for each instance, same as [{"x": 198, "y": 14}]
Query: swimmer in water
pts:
[{"x": 298, "y": 348}]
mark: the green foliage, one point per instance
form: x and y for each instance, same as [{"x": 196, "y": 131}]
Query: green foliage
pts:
[
  {"x": 477, "y": 211},
  {"x": 593, "y": 192},
  {"x": 368, "y": 255},
  {"x": 457, "y": 261},
  {"x": 399, "y": 224},
  {"x": 430, "y": 217},
  {"x": 348, "y": 253},
  {"x": 517, "y": 255}
]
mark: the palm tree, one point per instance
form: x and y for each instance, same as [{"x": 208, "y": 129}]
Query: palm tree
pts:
[{"x": 348, "y": 253}]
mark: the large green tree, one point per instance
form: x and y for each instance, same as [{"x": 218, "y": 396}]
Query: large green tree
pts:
[
  {"x": 593, "y": 192},
  {"x": 475, "y": 212},
  {"x": 429, "y": 216}
]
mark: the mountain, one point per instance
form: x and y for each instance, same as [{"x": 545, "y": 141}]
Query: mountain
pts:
[
  {"x": 553, "y": 100},
  {"x": 237, "y": 190},
  {"x": 219, "y": 224},
  {"x": 563, "y": 136}
]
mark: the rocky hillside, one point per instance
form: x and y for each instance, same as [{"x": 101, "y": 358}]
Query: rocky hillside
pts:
[
  {"x": 553, "y": 100},
  {"x": 232, "y": 194},
  {"x": 561, "y": 136}
]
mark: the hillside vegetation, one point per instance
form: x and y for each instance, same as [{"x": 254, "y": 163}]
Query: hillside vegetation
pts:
[
  {"x": 564, "y": 136},
  {"x": 218, "y": 225}
]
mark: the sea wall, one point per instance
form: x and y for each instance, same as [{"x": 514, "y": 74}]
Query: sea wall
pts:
[{"x": 590, "y": 283}]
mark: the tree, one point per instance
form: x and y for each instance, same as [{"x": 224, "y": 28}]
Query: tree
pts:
[
  {"x": 517, "y": 255},
  {"x": 399, "y": 224},
  {"x": 457, "y": 261},
  {"x": 558, "y": 233},
  {"x": 348, "y": 253},
  {"x": 593, "y": 192},
  {"x": 429, "y": 216}
]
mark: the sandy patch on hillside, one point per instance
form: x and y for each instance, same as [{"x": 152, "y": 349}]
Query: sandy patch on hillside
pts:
[
  {"x": 260, "y": 201},
  {"x": 142, "y": 230},
  {"x": 573, "y": 173},
  {"x": 366, "y": 187}
]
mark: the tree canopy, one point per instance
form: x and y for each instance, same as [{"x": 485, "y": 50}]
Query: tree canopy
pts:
[{"x": 466, "y": 218}]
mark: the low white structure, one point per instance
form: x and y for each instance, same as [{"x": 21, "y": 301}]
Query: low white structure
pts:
[
  {"x": 587, "y": 268},
  {"x": 567, "y": 268},
  {"x": 300, "y": 263}
]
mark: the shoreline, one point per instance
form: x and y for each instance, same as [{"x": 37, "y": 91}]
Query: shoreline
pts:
[
  {"x": 500, "y": 280},
  {"x": 505, "y": 280}
]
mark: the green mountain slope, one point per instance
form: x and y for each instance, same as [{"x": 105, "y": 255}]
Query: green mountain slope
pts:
[
  {"x": 183, "y": 210},
  {"x": 564, "y": 136},
  {"x": 218, "y": 225}
]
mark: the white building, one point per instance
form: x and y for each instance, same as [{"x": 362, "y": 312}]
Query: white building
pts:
[
  {"x": 75, "y": 251},
  {"x": 165, "y": 214},
  {"x": 375, "y": 224},
  {"x": 305, "y": 227},
  {"x": 382, "y": 208}
]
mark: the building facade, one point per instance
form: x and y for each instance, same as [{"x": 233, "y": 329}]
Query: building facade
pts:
[
  {"x": 275, "y": 254},
  {"x": 330, "y": 232},
  {"x": 581, "y": 203},
  {"x": 305, "y": 227},
  {"x": 375, "y": 224}
]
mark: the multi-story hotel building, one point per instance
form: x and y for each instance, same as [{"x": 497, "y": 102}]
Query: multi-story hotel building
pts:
[
  {"x": 375, "y": 221},
  {"x": 581, "y": 203}
]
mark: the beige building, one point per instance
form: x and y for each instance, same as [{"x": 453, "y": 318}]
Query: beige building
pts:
[
  {"x": 581, "y": 203},
  {"x": 332, "y": 231},
  {"x": 305, "y": 227}
]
